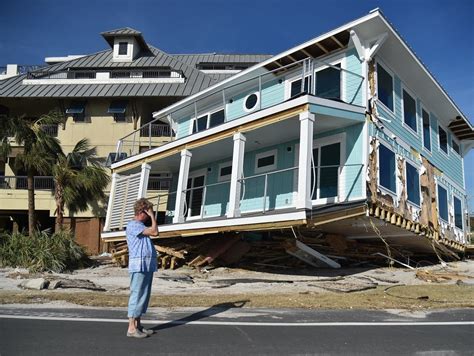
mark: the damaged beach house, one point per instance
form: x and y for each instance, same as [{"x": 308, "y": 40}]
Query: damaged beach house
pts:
[{"x": 347, "y": 135}]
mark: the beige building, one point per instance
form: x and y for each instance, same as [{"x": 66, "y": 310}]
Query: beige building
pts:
[{"x": 104, "y": 96}]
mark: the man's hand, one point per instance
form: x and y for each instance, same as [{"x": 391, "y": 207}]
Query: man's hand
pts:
[{"x": 153, "y": 229}]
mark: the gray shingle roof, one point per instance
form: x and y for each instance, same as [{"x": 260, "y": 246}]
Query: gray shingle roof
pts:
[
  {"x": 121, "y": 31},
  {"x": 195, "y": 80},
  {"x": 193, "y": 59},
  {"x": 125, "y": 32}
]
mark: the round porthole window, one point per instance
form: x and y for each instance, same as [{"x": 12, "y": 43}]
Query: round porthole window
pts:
[{"x": 251, "y": 102}]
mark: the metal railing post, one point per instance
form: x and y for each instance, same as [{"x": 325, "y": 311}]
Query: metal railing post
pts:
[
  {"x": 265, "y": 193},
  {"x": 260, "y": 92},
  {"x": 149, "y": 135},
  {"x": 203, "y": 201},
  {"x": 223, "y": 105},
  {"x": 339, "y": 195}
]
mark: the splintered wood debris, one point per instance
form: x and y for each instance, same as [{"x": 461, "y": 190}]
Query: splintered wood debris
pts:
[{"x": 275, "y": 250}]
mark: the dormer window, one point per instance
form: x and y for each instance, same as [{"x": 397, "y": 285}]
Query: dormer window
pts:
[{"x": 123, "y": 48}]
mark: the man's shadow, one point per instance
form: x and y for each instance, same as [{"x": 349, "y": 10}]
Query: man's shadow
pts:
[{"x": 215, "y": 309}]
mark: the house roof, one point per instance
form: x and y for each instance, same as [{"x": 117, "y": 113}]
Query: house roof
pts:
[
  {"x": 194, "y": 59},
  {"x": 109, "y": 36},
  {"x": 373, "y": 23},
  {"x": 195, "y": 80}
]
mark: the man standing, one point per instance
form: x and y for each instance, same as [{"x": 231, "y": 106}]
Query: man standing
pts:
[{"x": 141, "y": 265}]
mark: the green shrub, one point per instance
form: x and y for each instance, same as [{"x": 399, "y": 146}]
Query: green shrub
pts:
[{"x": 41, "y": 251}]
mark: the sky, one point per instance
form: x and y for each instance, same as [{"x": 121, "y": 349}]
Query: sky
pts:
[{"x": 441, "y": 32}]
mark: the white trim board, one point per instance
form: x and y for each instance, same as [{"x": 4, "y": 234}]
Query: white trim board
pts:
[{"x": 298, "y": 215}]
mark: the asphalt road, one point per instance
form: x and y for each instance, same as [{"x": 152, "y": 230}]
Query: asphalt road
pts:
[{"x": 234, "y": 331}]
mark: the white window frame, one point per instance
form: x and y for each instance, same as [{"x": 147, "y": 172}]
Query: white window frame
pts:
[
  {"x": 268, "y": 168},
  {"x": 208, "y": 119},
  {"x": 290, "y": 80},
  {"x": 423, "y": 108},
  {"x": 342, "y": 78},
  {"x": 454, "y": 138},
  {"x": 256, "y": 104},
  {"x": 454, "y": 212},
  {"x": 418, "y": 169},
  {"x": 118, "y": 48},
  {"x": 226, "y": 177},
  {"x": 389, "y": 71},
  {"x": 438, "y": 200},
  {"x": 324, "y": 141},
  {"x": 194, "y": 174},
  {"x": 380, "y": 186},
  {"x": 402, "y": 100},
  {"x": 439, "y": 140}
]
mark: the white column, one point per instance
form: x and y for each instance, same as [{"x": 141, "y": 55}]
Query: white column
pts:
[
  {"x": 182, "y": 184},
  {"x": 237, "y": 170},
  {"x": 304, "y": 169},
  {"x": 146, "y": 168},
  {"x": 110, "y": 206}
]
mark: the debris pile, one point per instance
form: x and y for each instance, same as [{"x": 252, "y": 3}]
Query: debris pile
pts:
[{"x": 276, "y": 250}]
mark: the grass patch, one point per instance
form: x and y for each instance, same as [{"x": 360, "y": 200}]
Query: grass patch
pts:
[
  {"x": 395, "y": 297},
  {"x": 42, "y": 251}
]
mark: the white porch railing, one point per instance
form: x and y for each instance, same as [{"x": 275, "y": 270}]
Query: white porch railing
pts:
[{"x": 269, "y": 191}]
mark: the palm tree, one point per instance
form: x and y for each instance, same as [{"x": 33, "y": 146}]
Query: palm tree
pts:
[
  {"x": 79, "y": 180},
  {"x": 39, "y": 150}
]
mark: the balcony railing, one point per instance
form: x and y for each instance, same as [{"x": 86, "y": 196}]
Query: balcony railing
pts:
[
  {"x": 51, "y": 130},
  {"x": 336, "y": 183},
  {"x": 269, "y": 191},
  {"x": 155, "y": 130},
  {"x": 262, "y": 85},
  {"x": 21, "y": 182},
  {"x": 157, "y": 183}
]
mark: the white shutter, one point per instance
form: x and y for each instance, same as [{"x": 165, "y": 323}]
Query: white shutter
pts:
[{"x": 124, "y": 196}]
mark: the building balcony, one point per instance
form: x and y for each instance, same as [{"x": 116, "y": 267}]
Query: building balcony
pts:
[{"x": 249, "y": 95}]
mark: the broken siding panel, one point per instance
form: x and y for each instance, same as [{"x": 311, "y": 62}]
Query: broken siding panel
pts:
[{"x": 354, "y": 85}]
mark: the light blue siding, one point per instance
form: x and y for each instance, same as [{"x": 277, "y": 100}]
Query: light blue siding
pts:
[
  {"x": 353, "y": 173},
  {"x": 184, "y": 128},
  {"x": 451, "y": 164},
  {"x": 273, "y": 92},
  {"x": 354, "y": 85}
]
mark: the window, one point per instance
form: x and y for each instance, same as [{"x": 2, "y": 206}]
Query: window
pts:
[
  {"x": 457, "y": 213},
  {"x": 225, "y": 171},
  {"x": 295, "y": 88},
  {"x": 426, "y": 130},
  {"x": 442, "y": 203},
  {"x": 413, "y": 184},
  {"x": 328, "y": 83},
  {"x": 251, "y": 102},
  {"x": 443, "y": 140},
  {"x": 409, "y": 111},
  {"x": 112, "y": 158},
  {"x": 123, "y": 48},
  {"x": 77, "y": 110},
  {"x": 265, "y": 161},
  {"x": 455, "y": 147},
  {"x": 387, "y": 169},
  {"x": 216, "y": 118},
  {"x": 385, "y": 87},
  {"x": 207, "y": 121},
  {"x": 117, "y": 108}
]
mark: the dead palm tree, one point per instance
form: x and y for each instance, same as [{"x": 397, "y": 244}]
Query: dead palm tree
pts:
[
  {"x": 39, "y": 150},
  {"x": 79, "y": 180}
]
